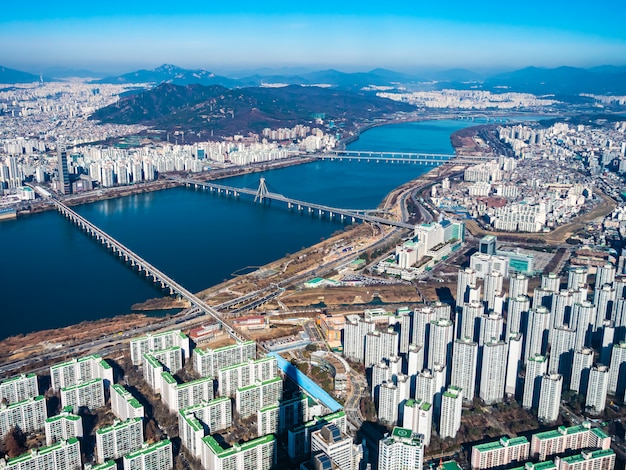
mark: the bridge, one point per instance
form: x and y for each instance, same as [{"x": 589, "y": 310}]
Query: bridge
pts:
[
  {"x": 401, "y": 157},
  {"x": 150, "y": 271},
  {"x": 261, "y": 194}
]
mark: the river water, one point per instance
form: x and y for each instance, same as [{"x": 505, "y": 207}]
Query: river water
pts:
[{"x": 53, "y": 275}]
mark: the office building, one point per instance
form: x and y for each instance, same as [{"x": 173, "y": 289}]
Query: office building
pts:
[
  {"x": 63, "y": 427},
  {"x": 550, "y": 397},
  {"x": 123, "y": 437},
  {"x": 451, "y": 409},
  {"x": 401, "y": 449},
  {"x": 65, "y": 185},
  {"x": 157, "y": 456},
  {"x": 329, "y": 440}
]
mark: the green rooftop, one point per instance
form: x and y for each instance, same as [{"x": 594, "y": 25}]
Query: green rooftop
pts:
[
  {"x": 82, "y": 385},
  {"x": 236, "y": 448},
  {"x": 596, "y": 454},
  {"x": 17, "y": 378},
  {"x": 120, "y": 425},
  {"x": 42, "y": 451},
  {"x": 562, "y": 431},
  {"x": 148, "y": 449}
]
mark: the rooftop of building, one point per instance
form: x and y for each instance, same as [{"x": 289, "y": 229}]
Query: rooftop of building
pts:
[
  {"x": 221, "y": 452},
  {"x": 306, "y": 384},
  {"x": 148, "y": 449},
  {"x": 587, "y": 455}
]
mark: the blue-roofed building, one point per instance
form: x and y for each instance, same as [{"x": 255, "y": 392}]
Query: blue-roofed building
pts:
[{"x": 306, "y": 384}]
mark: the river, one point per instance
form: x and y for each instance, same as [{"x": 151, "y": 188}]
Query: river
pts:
[{"x": 54, "y": 275}]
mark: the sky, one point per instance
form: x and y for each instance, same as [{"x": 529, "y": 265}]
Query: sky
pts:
[{"x": 117, "y": 36}]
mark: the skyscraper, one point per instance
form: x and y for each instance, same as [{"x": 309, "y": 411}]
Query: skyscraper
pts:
[
  {"x": 550, "y": 397},
  {"x": 493, "y": 372},
  {"x": 451, "y": 409},
  {"x": 65, "y": 187},
  {"x": 597, "y": 389},
  {"x": 535, "y": 369},
  {"x": 464, "y": 363},
  {"x": 583, "y": 361}
]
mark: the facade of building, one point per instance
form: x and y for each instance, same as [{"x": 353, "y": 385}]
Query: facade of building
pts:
[
  {"x": 403, "y": 448},
  {"x": 250, "y": 399},
  {"x": 88, "y": 394},
  {"x": 451, "y": 409},
  {"x": 80, "y": 370},
  {"x": 499, "y": 454},
  {"x": 19, "y": 388},
  {"x": 241, "y": 375},
  {"x": 63, "y": 427},
  {"x": 196, "y": 422},
  {"x": 124, "y": 405},
  {"x": 601, "y": 459},
  {"x": 157, "y": 342},
  {"x": 493, "y": 372},
  {"x": 550, "y": 397},
  {"x": 562, "y": 439},
  {"x": 597, "y": 389},
  {"x": 157, "y": 456},
  {"x": 207, "y": 362},
  {"x": 258, "y": 453},
  {"x": 329, "y": 440},
  {"x": 124, "y": 437},
  {"x": 28, "y": 415},
  {"x": 418, "y": 416},
  {"x": 177, "y": 396},
  {"x": 64, "y": 454}
]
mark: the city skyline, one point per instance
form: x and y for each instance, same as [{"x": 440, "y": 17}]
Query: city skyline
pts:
[{"x": 243, "y": 35}]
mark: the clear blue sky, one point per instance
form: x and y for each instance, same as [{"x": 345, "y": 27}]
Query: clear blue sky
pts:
[{"x": 123, "y": 35}]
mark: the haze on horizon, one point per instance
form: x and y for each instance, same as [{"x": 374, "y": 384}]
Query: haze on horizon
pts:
[{"x": 121, "y": 36}]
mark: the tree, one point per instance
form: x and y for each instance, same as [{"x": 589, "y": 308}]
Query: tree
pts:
[{"x": 15, "y": 442}]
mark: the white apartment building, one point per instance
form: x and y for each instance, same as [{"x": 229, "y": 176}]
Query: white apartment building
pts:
[
  {"x": 418, "y": 416},
  {"x": 157, "y": 342},
  {"x": 617, "y": 370},
  {"x": 251, "y": 398},
  {"x": 124, "y": 405},
  {"x": 121, "y": 438},
  {"x": 29, "y": 415},
  {"x": 241, "y": 375},
  {"x": 403, "y": 448},
  {"x": 388, "y": 403},
  {"x": 89, "y": 394},
  {"x": 536, "y": 367},
  {"x": 597, "y": 389},
  {"x": 550, "y": 397},
  {"x": 464, "y": 364},
  {"x": 63, "y": 427},
  {"x": 603, "y": 459},
  {"x": 440, "y": 348},
  {"x": 197, "y": 421},
  {"x": 354, "y": 332},
  {"x": 157, "y": 456},
  {"x": 268, "y": 420},
  {"x": 563, "y": 439},
  {"x": 177, "y": 396},
  {"x": 514, "y": 363},
  {"x": 451, "y": 409},
  {"x": 380, "y": 345},
  {"x": 581, "y": 367},
  {"x": 207, "y": 362},
  {"x": 259, "y": 454},
  {"x": 80, "y": 370},
  {"x": 64, "y": 454},
  {"x": 19, "y": 388},
  {"x": 500, "y": 453},
  {"x": 493, "y": 372}
]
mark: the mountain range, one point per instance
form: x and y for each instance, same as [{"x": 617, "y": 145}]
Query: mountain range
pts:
[
  {"x": 216, "y": 110},
  {"x": 560, "y": 81}
]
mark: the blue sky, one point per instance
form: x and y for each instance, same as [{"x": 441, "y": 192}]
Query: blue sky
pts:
[{"x": 120, "y": 36}]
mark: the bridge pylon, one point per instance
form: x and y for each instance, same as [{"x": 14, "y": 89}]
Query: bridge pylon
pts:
[{"x": 262, "y": 191}]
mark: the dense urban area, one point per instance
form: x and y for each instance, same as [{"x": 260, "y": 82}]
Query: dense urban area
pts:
[{"x": 499, "y": 341}]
